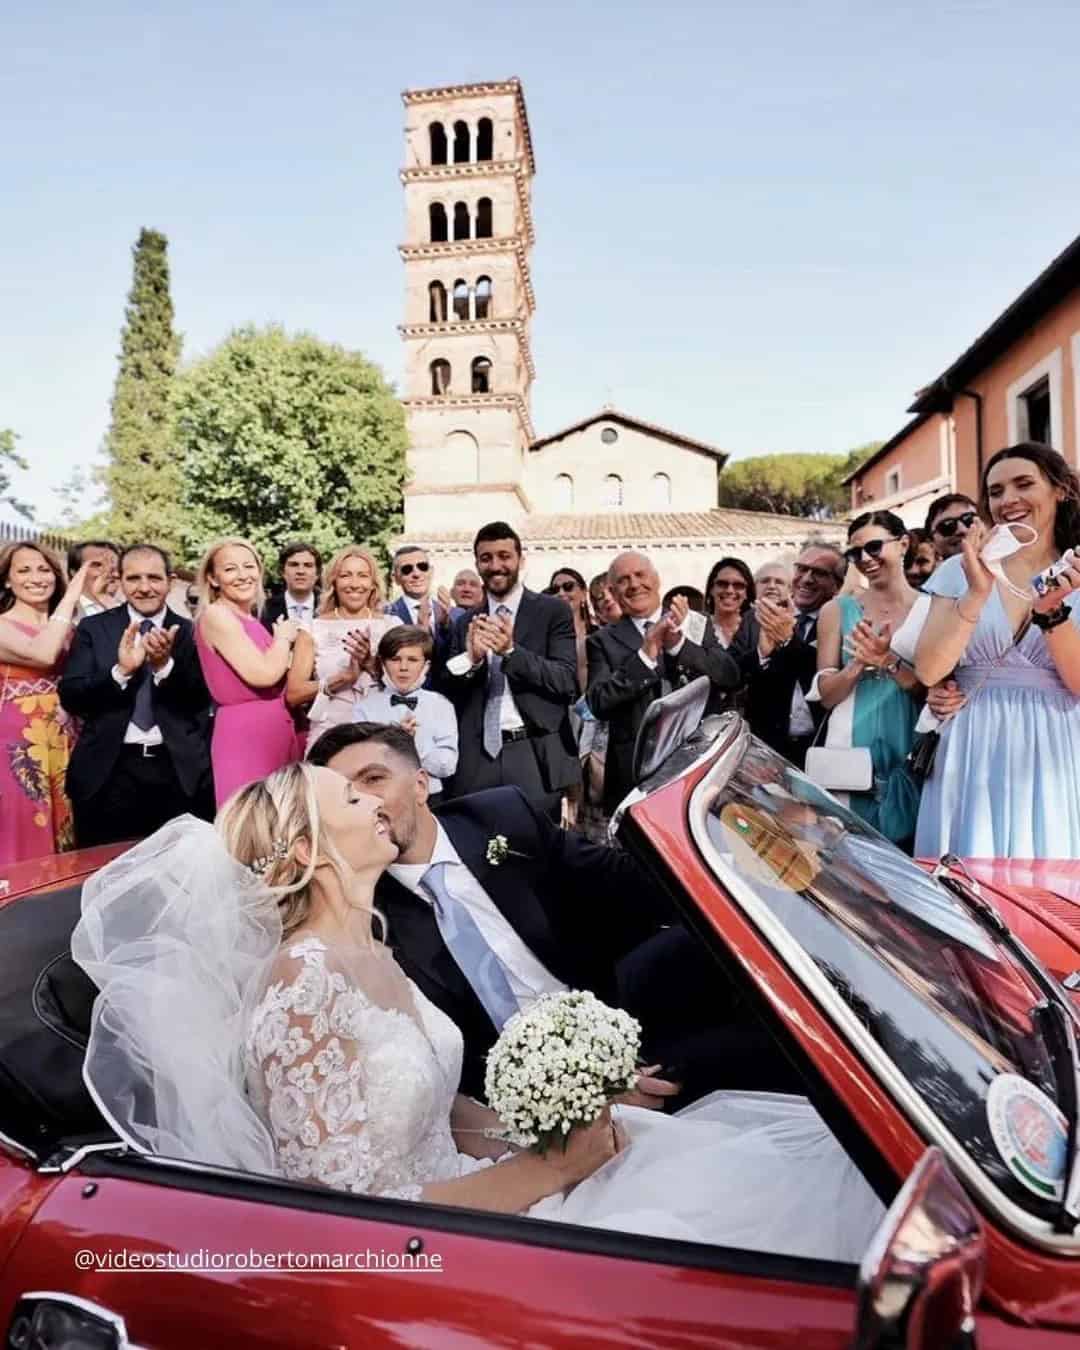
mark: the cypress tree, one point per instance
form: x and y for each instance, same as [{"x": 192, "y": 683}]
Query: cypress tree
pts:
[{"x": 143, "y": 476}]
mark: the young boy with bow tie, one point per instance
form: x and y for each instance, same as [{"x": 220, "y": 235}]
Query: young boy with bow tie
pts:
[{"x": 404, "y": 660}]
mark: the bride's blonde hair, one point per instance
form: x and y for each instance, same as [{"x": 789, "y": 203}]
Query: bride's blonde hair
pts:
[{"x": 262, "y": 824}]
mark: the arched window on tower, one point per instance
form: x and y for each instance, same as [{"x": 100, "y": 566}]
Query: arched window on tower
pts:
[
  {"x": 661, "y": 492},
  {"x": 461, "y": 299},
  {"x": 481, "y": 375},
  {"x": 485, "y": 138},
  {"x": 461, "y": 220},
  {"x": 461, "y": 142},
  {"x": 437, "y": 135},
  {"x": 440, "y": 377},
  {"x": 483, "y": 218},
  {"x": 483, "y": 297},
  {"x": 437, "y": 218},
  {"x": 564, "y": 492},
  {"x": 613, "y": 490},
  {"x": 436, "y": 302}
]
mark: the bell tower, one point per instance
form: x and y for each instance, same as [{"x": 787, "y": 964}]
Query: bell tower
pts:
[{"x": 468, "y": 305}]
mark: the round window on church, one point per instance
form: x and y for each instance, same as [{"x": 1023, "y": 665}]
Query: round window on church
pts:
[{"x": 609, "y": 435}]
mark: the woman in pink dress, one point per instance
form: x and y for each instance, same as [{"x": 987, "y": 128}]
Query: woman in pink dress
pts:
[
  {"x": 37, "y": 609},
  {"x": 244, "y": 667}
]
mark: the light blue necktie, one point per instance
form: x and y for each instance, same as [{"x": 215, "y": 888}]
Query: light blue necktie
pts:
[
  {"x": 493, "y": 701},
  {"x": 466, "y": 944}
]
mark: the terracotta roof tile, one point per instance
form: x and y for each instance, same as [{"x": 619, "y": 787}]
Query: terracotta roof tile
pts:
[{"x": 631, "y": 528}]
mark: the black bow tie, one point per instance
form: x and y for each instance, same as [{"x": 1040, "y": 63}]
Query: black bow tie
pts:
[{"x": 410, "y": 700}]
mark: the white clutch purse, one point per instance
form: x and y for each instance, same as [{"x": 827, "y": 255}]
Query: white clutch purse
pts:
[{"x": 840, "y": 770}]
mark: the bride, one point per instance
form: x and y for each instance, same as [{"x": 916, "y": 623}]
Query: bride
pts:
[{"x": 249, "y": 1016}]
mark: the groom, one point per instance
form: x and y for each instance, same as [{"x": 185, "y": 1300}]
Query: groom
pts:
[{"x": 491, "y": 887}]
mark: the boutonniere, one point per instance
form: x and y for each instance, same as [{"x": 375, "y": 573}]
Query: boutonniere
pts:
[{"x": 498, "y": 850}]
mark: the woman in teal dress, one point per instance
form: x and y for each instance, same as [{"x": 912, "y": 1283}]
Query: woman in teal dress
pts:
[{"x": 873, "y": 697}]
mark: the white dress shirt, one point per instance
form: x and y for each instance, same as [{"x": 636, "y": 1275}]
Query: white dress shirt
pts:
[
  {"x": 436, "y": 733},
  {"x": 136, "y": 735},
  {"x": 413, "y": 606},
  {"x": 528, "y": 977},
  {"x": 301, "y": 609},
  {"x": 509, "y": 717}
]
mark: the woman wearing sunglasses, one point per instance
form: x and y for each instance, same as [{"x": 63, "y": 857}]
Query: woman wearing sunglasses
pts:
[
  {"x": 581, "y": 808},
  {"x": 873, "y": 697},
  {"x": 1005, "y": 782}
]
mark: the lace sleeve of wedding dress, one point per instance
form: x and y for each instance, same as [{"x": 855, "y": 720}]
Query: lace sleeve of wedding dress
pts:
[{"x": 309, "y": 1047}]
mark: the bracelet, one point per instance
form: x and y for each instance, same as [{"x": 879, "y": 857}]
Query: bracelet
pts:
[
  {"x": 1054, "y": 619},
  {"x": 59, "y": 618}
]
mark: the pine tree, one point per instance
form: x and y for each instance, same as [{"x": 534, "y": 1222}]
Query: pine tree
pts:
[{"x": 143, "y": 477}]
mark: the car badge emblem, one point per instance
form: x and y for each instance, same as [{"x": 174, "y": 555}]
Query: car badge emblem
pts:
[{"x": 1030, "y": 1134}]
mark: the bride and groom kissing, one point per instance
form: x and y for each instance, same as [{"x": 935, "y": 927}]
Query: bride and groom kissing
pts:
[{"x": 340, "y": 961}]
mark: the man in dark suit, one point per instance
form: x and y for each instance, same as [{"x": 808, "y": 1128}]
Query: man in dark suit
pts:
[
  {"x": 635, "y": 660},
  {"x": 512, "y": 676},
  {"x": 551, "y": 910},
  {"x": 780, "y": 668},
  {"x": 416, "y": 605},
  {"x": 133, "y": 678},
  {"x": 299, "y": 566}
]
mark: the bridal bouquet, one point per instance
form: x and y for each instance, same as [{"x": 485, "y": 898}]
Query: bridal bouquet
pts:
[{"x": 558, "y": 1065}]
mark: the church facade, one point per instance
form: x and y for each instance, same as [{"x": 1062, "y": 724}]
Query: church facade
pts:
[{"x": 608, "y": 482}]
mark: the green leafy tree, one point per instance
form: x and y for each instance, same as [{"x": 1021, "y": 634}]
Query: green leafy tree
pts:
[
  {"x": 792, "y": 485},
  {"x": 11, "y": 459},
  {"x": 289, "y": 437},
  {"x": 143, "y": 476}
]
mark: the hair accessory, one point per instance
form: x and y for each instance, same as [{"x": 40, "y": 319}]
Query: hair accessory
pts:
[{"x": 260, "y": 866}]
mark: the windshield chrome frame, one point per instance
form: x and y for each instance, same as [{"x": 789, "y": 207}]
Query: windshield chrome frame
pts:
[{"x": 802, "y": 966}]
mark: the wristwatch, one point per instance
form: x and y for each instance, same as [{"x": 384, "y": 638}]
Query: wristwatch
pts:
[
  {"x": 893, "y": 666},
  {"x": 1053, "y": 619}
]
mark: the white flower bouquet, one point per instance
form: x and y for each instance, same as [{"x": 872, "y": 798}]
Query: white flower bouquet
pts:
[{"x": 558, "y": 1064}]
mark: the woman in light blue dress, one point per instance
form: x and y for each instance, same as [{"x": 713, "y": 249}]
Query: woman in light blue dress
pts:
[
  {"x": 874, "y": 697},
  {"x": 1006, "y": 783}
]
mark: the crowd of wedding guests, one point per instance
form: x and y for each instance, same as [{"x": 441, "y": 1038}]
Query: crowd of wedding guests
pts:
[{"x": 924, "y": 651}]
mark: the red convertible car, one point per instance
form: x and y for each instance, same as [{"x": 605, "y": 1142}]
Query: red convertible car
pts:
[{"x": 930, "y": 1013}]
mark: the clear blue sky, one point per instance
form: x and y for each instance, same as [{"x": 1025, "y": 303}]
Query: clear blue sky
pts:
[{"x": 762, "y": 224}]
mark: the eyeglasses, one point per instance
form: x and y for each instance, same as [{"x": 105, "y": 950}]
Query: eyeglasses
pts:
[
  {"x": 949, "y": 527},
  {"x": 818, "y": 573},
  {"x": 407, "y": 569},
  {"x": 872, "y": 548},
  {"x": 729, "y": 585},
  {"x": 192, "y": 598},
  {"x": 564, "y": 586}
]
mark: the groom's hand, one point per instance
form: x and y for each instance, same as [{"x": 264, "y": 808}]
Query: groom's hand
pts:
[{"x": 650, "y": 1092}]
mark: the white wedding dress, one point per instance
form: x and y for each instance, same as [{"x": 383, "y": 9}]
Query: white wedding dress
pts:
[{"x": 355, "y": 1073}]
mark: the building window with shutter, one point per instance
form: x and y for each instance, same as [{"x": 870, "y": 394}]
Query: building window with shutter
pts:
[{"x": 613, "y": 494}]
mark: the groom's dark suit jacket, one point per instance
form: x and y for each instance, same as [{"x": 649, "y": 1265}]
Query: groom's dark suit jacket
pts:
[{"x": 577, "y": 906}]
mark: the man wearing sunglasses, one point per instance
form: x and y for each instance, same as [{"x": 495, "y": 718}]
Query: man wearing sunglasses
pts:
[
  {"x": 948, "y": 521},
  {"x": 416, "y": 605}
]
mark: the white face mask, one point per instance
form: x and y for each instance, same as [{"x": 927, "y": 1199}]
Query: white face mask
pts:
[{"x": 1002, "y": 543}]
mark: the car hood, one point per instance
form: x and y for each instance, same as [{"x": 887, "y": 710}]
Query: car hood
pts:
[
  {"x": 1040, "y": 901},
  {"x": 58, "y": 869}
]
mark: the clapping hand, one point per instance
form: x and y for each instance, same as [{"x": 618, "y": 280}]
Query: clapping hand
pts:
[
  {"x": 132, "y": 650},
  {"x": 158, "y": 645},
  {"x": 661, "y": 635},
  {"x": 408, "y": 724},
  {"x": 870, "y": 648},
  {"x": 444, "y": 604},
  {"x": 357, "y": 645},
  {"x": 285, "y": 630},
  {"x": 478, "y": 641},
  {"x": 777, "y": 625},
  {"x": 679, "y": 609},
  {"x": 501, "y": 633}
]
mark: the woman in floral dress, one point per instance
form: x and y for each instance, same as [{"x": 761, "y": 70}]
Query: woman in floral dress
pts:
[{"x": 37, "y": 608}]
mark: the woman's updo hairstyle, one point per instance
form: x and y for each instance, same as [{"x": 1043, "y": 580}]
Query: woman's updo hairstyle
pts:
[
  {"x": 262, "y": 824},
  {"x": 884, "y": 520}
]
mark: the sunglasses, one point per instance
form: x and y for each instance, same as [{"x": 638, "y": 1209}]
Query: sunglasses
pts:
[
  {"x": 565, "y": 587},
  {"x": 729, "y": 585},
  {"x": 872, "y": 549},
  {"x": 407, "y": 569},
  {"x": 949, "y": 527}
]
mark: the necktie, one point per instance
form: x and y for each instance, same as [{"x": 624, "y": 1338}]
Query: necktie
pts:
[
  {"x": 296, "y": 612},
  {"x": 410, "y": 700},
  {"x": 493, "y": 701},
  {"x": 466, "y": 944},
  {"x": 805, "y": 627},
  {"x": 143, "y": 714}
]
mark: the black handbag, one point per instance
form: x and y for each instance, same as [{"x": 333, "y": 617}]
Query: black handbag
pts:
[{"x": 921, "y": 757}]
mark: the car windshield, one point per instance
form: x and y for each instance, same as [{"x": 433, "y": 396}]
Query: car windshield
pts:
[{"x": 950, "y": 1006}]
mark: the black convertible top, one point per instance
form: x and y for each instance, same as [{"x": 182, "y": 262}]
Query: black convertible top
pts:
[{"x": 45, "y": 1004}]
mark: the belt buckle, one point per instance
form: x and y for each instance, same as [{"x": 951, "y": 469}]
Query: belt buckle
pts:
[{"x": 149, "y": 751}]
